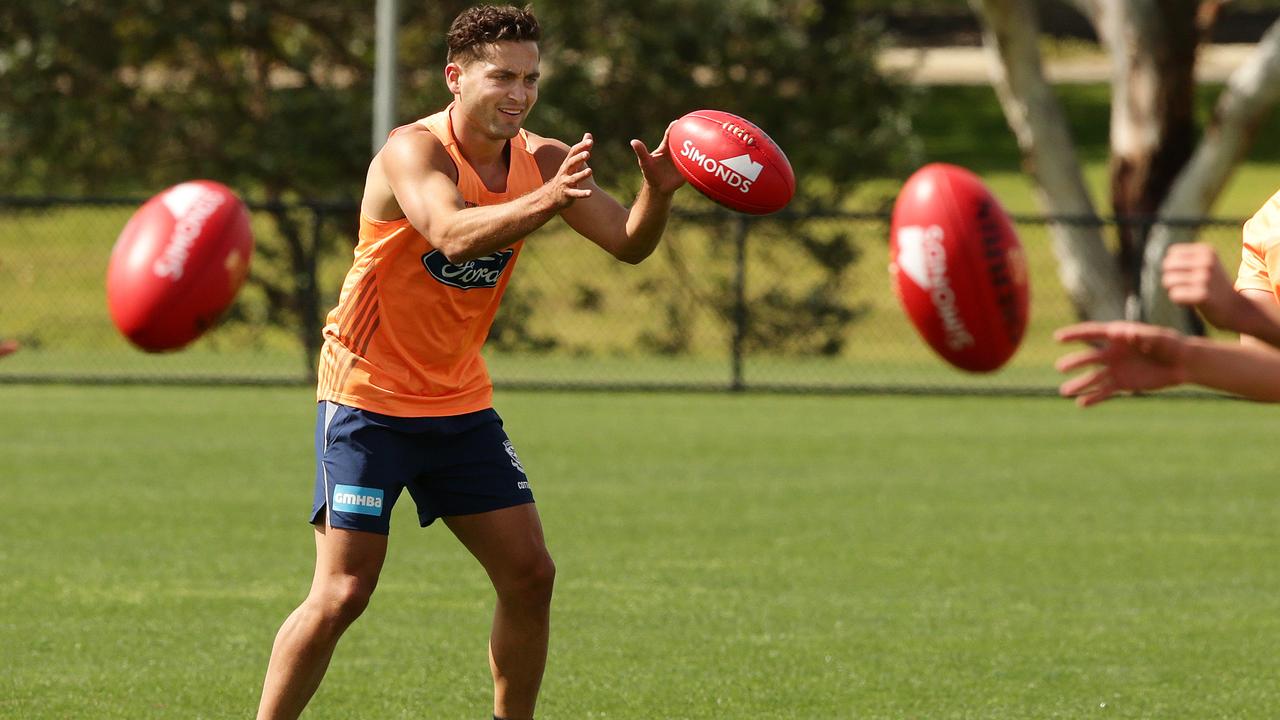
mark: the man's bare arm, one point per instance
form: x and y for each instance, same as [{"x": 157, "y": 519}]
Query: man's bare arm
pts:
[
  {"x": 629, "y": 234},
  {"x": 418, "y": 170}
]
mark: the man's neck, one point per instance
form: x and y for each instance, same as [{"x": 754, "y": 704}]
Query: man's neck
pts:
[{"x": 479, "y": 149}]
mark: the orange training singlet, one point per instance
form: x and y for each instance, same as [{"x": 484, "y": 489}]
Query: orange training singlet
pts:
[
  {"x": 405, "y": 337},
  {"x": 1260, "y": 251}
]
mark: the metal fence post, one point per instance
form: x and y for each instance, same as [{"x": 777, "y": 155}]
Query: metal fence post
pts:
[{"x": 740, "y": 229}]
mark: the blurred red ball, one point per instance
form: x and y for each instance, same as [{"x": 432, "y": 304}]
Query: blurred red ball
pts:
[
  {"x": 958, "y": 268},
  {"x": 178, "y": 265}
]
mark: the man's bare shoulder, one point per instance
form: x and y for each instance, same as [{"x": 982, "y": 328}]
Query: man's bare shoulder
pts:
[
  {"x": 411, "y": 154},
  {"x": 548, "y": 152},
  {"x": 414, "y": 146}
]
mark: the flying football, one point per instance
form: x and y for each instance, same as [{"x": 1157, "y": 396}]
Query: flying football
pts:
[
  {"x": 732, "y": 161},
  {"x": 178, "y": 264},
  {"x": 958, "y": 268}
]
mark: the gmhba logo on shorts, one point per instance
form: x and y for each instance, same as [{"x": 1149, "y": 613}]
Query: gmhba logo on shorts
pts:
[
  {"x": 355, "y": 499},
  {"x": 483, "y": 272}
]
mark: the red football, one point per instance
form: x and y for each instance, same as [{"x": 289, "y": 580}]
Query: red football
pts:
[
  {"x": 958, "y": 267},
  {"x": 178, "y": 264},
  {"x": 732, "y": 161}
]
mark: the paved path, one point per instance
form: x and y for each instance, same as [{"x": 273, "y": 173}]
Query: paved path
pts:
[{"x": 968, "y": 65}]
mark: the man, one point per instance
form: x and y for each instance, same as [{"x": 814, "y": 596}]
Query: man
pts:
[
  {"x": 405, "y": 399},
  {"x": 1135, "y": 356}
]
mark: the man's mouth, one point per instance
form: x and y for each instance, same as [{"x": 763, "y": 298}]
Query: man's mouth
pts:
[{"x": 509, "y": 112}]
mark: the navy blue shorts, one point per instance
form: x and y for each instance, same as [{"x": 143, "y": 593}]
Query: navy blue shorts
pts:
[{"x": 458, "y": 465}]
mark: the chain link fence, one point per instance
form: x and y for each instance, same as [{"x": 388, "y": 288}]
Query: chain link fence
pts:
[{"x": 728, "y": 302}]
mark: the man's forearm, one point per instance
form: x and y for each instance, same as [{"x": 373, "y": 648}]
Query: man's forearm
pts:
[
  {"x": 1249, "y": 372},
  {"x": 479, "y": 231},
  {"x": 1258, "y": 323},
  {"x": 646, "y": 222}
]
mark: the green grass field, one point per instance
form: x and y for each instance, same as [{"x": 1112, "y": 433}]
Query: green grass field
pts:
[{"x": 719, "y": 557}]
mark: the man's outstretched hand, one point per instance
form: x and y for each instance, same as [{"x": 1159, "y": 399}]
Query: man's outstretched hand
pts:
[
  {"x": 659, "y": 170},
  {"x": 1126, "y": 357}
]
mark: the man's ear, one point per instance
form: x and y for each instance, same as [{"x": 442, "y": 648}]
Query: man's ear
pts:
[{"x": 452, "y": 77}]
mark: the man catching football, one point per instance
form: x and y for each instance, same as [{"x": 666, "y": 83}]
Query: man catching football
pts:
[{"x": 405, "y": 400}]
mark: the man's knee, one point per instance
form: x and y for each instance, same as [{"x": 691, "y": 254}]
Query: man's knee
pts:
[
  {"x": 532, "y": 582},
  {"x": 341, "y": 599}
]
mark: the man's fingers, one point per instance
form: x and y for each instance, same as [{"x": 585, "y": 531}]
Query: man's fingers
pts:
[
  {"x": 1078, "y": 359},
  {"x": 578, "y": 193},
  {"x": 1084, "y": 383},
  {"x": 1086, "y": 331},
  {"x": 1185, "y": 289},
  {"x": 578, "y": 154},
  {"x": 1193, "y": 261},
  {"x": 584, "y": 144},
  {"x": 1089, "y": 389},
  {"x": 1175, "y": 274},
  {"x": 1094, "y": 398},
  {"x": 666, "y": 135},
  {"x": 1190, "y": 297},
  {"x": 1176, "y": 255},
  {"x": 646, "y": 156},
  {"x": 574, "y": 160}
]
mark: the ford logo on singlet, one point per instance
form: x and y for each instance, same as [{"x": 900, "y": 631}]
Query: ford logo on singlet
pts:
[{"x": 483, "y": 272}]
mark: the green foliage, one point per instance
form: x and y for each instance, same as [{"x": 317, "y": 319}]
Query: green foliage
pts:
[
  {"x": 273, "y": 98},
  {"x": 130, "y": 96},
  {"x": 116, "y": 96},
  {"x": 802, "y": 70}
]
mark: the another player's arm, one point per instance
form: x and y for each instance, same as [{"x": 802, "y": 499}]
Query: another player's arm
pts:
[
  {"x": 629, "y": 234},
  {"x": 422, "y": 177},
  {"x": 1248, "y": 371},
  {"x": 1193, "y": 275},
  {"x": 1131, "y": 356},
  {"x": 1253, "y": 278},
  {"x": 1263, "y": 326}
]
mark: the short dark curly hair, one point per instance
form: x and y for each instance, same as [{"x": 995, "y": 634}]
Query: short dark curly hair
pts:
[{"x": 483, "y": 25}]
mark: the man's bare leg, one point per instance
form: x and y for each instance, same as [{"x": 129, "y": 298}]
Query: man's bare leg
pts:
[
  {"x": 510, "y": 546},
  {"x": 347, "y": 567}
]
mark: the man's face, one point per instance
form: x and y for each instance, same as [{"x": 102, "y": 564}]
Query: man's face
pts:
[{"x": 496, "y": 91}]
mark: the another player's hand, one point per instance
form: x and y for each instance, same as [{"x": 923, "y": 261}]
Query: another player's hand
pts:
[
  {"x": 1194, "y": 276},
  {"x": 566, "y": 185},
  {"x": 1129, "y": 357},
  {"x": 659, "y": 170}
]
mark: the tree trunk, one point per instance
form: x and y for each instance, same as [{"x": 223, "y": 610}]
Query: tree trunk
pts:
[
  {"x": 1152, "y": 47},
  {"x": 1154, "y": 173},
  {"x": 1251, "y": 91},
  {"x": 1086, "y": 268}
]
